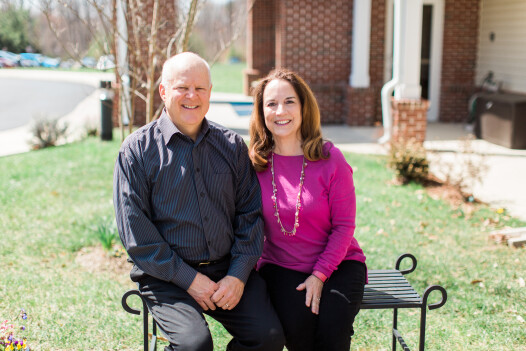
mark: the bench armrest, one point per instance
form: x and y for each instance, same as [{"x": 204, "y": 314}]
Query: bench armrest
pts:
[
  {"x": 399, "y": 261},
  {"x": 125, "y": 305},
  {"x": 428, "y": 291}
]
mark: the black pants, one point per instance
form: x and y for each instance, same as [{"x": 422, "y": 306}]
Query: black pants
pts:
[
  {"x": 340, "y": 302},
  {"x": 253, "y": 323}
]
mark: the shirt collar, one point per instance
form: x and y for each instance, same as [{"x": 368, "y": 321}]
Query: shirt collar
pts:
[{"x": 169, "y": 129}]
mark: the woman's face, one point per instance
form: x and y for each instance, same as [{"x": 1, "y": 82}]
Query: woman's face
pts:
[{"x": 282, "y": 111}]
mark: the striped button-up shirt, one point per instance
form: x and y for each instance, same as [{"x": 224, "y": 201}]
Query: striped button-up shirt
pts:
[{"x": 179, "y": 202}]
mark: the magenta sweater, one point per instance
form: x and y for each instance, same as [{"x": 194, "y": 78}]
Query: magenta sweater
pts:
[{"x": 325, "y": 236}]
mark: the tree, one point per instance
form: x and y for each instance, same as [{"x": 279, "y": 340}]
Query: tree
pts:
[
  {"x": 15, "y": 27},
  {"x": 141, "y": 34},
  {"x": 221, "y": 28},
  {"x": 134, "y": 26}
]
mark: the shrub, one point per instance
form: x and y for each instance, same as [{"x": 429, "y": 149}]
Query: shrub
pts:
[
  {"x": 91, "y": 129},
  {"x": 463, "y": 169},
  {"x": 107, "y": 234},
  {"x": 47, "y": 132},
  {"x": 409, "y": 160}
]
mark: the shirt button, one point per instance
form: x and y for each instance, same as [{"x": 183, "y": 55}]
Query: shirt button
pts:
[
  {"x": 208, "y": 242},
  {"x": 202, "y": 194},
  {"x": 197, "y": 170},
  {"x": 206, "y": 218}
]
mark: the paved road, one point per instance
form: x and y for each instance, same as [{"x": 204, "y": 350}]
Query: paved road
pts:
[{"x": 22, "y": 100}]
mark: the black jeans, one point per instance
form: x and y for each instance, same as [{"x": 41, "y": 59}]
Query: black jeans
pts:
[
  {"x": 340, "y": 303},
  {"x": 253, "y": 323}
]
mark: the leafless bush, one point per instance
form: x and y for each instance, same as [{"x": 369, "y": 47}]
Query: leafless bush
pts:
[
  {"x": 47, "y": 132},
  {"x": 462, "y": 169},
  {"x": 91, "y": 128}
]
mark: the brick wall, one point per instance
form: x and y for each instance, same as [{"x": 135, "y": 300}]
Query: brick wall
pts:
[
  {"x": 261, "y": 41},
  {"x": 461, "y": 24},
  {"x": 363, "y": 104},
  {"x": 409, "y": 120},
  {"x": 314, "y": 40}
]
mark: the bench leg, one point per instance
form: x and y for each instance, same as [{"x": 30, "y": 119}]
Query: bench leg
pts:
[
  {"x": 395, "y": 326},
  {"x": 154, "y": 336},
  {"x": 153, "y": 343},
  {"x": 422, "y": 342},
  {"x": 145, "y": 325}
]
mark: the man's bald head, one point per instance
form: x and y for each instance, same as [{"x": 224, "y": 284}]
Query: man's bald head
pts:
[{"x": 183, "y": 62}]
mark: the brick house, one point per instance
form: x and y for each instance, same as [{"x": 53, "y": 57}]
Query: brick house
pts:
[{"x": 344, "y": 50}]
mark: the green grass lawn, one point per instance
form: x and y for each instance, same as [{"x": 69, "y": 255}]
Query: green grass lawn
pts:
[
  {"x": 52, "y": 200},
  {"x": 227, "y": 78}
]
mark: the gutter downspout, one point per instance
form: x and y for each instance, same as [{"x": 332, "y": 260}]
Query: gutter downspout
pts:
[
  {"x": 389, "y": 87},
  {"x": 387, "y": 119}
]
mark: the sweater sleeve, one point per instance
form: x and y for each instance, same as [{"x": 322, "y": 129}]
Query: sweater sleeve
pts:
[{"x": 342, "y": 207}]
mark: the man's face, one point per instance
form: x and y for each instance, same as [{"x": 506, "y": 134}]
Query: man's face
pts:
[{"x": 187, "y": 98}]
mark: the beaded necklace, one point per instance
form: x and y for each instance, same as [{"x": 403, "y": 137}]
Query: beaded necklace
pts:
[{"x": 298, "y": 200}]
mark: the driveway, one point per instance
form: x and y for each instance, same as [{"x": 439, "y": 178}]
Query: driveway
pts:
[
  {"x": 22, "y": 100},
  {"x": 25, "y": 94}
]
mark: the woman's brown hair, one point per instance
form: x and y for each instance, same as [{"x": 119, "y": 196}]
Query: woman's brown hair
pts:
[{"x": 261, "y": 142}]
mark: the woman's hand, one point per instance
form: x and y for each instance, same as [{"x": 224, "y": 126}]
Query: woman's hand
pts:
[{"x": 314, "y": 286}]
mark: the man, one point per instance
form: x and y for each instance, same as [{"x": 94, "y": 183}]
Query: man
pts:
[{"x": 188, "y": 209}]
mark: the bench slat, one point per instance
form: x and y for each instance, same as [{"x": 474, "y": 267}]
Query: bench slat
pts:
[
  {"x": 385, "y": 305},
  {"x": 393, "y": 302},
  {"x": 385, "y": 272},
  {"x": 387, "y": 285},
  {"x": 392, "y": 290},
  {"x": 373, "y": 281},
  {"x": 369, "y": 290},
  {"x": 412, "y": 297},
  {"x": 383, "y": 296}
]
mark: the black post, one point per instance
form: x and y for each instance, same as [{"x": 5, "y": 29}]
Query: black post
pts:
[{"x": 106, "y": 111}]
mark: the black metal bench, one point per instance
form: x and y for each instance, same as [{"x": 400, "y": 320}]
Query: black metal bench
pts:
[{"x": 387, "y": 289}]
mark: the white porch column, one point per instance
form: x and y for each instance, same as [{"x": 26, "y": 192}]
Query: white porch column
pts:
[
  {"x": 361, "y": 41},
  {"x": 407, "y": 44},
  {"x": 407, "y": 48}
]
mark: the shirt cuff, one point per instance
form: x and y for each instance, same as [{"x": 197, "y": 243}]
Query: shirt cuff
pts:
[
  {"x": 185, "y": 276},
  {"x": 320, "y": 276},
  {"x": 241, "y": 268}
]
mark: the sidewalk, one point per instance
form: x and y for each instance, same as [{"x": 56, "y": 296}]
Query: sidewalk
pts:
[{"x": 503, "y": 184}]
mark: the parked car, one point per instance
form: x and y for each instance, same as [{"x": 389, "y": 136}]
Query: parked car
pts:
[
  {"x": 49, "y": 62},
  {"x": 89, "y": 62},
  {"x": 106, "y": 62},
  {"x": 6, "y": 63},
  {"x": 69, "y": 63},
  {"x": 29, "y": 59},
  {"x": 9, "y": 59}
]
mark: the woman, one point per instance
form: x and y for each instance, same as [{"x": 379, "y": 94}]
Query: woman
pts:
[{"x": 313, "y": 265}]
